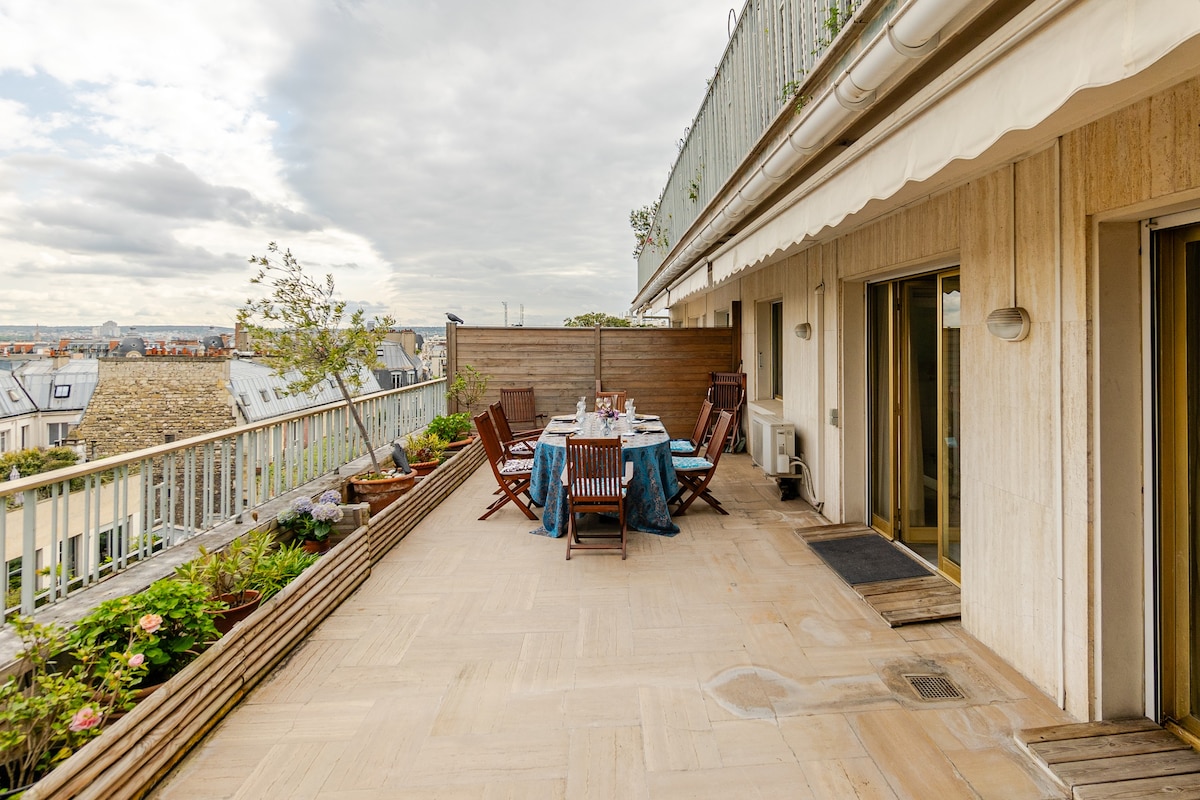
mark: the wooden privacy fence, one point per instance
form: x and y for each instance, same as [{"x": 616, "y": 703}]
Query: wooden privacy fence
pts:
[{"x": 665, "y": 370}]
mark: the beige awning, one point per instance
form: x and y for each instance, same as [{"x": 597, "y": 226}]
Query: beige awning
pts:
[{"x": 1043, "y": 65}]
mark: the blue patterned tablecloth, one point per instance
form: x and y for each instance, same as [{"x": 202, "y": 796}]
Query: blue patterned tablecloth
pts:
[{"x": 646, "y": 503}]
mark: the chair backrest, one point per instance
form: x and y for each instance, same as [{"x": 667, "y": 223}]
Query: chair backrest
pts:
[
  {"x": 519, "y": 406},
  {"x": 720, "y": 437},
  {"x": 727, "y": 390},
  {"x": 491, "y": 442},
  {"x": 503, "y": 431},
  {"x": 617, "y": 399},
  {"x": 594, "y": 470},
  {"x": 702, "y": 422}
]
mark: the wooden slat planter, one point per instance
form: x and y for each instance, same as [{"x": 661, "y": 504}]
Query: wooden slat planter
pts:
[{"x": 132, "y": 755}]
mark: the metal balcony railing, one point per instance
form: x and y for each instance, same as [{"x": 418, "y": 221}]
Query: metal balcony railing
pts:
[
  {"x": 774, "y": 46},
  {"x": 65, "y": 530}
]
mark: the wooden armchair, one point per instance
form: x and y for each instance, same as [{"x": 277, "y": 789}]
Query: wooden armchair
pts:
[
  {"x": 596, "y": 479},
  {"x": 694, "y": 473},
  {"x": 691, "y": 447},
  {"x": 515, "y": 445},
  {"x": 520, "y": 409},
  {"x": 617, "y": 399},
  {"x": 513, "y": 475}
]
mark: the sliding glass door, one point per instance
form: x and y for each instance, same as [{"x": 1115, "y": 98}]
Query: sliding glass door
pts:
[{"x": 913, "y": 376}]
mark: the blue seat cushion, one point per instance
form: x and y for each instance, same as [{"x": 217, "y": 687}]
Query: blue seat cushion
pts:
[
  {"x": 682, "y": 446},
  {"x": 693, "y": 462}
]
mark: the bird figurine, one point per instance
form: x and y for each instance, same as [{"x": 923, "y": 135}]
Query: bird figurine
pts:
[{"x": 455, "y": 318}]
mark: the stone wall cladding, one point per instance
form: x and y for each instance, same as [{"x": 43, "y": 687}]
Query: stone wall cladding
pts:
[{"x": 138, "y": 402}]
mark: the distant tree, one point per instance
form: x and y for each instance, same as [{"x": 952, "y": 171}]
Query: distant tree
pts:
[
  {"x": 36, "y": 460},
  {"x": 312, "y": 335},
  {"x": 594, "y": 318}
]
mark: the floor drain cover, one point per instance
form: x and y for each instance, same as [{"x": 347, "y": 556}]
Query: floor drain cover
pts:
[{"x": 934, "y": 687}]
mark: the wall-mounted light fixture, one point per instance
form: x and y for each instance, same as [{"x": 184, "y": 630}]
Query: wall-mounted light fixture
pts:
[
  {"x": 1009, "y": 324},
  {"x": 803, "y": 331}
]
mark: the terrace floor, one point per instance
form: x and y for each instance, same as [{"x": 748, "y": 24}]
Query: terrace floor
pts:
[{"x": 728, "y": 661}]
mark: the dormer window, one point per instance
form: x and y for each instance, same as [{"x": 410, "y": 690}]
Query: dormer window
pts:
[
  {"x": 265, "y": 395},
  {"x": 62, "y": 390},
  {"x": 245, "y": 398},
  {"x": 14, "y": 395}
]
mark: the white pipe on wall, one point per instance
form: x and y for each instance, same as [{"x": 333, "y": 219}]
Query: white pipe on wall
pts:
[{"x": 913, "y": 28}]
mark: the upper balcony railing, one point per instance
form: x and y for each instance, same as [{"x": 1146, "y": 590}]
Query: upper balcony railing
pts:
[
  {"x": 774, "y": 46},
  {"x": 65, "y": 530}
]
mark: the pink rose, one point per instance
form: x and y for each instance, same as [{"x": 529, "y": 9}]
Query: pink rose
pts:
[
  {"x": 150, "y": 623},
  {"x": 84, "y": 718},
  {"x": 137, "y": 659}
]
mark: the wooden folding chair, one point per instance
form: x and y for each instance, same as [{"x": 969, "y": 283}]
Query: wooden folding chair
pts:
[
  {"x": 691, "y": 447},
  {"x": 727, "y": 392},
  {"x": 512, "y": 474},
  {"x": 596, "y": 479},
  {"x": 694, "y": 473},
  {"x": 616, "y": 399},
  {"x": 515, "y": 445},
  {"x": 520, "y": 410}
]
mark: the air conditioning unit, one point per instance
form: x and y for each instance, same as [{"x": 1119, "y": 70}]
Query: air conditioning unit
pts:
[{"x": 772, "y": 444}]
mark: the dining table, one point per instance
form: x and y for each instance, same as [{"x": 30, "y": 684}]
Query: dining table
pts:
[{"x": 644, "y": 443}]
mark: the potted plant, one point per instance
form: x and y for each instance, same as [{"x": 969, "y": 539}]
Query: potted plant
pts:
[
  {"x": 174, "y": 616},
  {"x": 48, "y": 711},
  {"x": 228, "y": 574},
  {"x": 311, "y": 523},
  {"x": 454, "y": 429},
  {"x": 279, "y": 568},
  {"x": 424, "y": 451},
  {"x": 468, "y": 386}
]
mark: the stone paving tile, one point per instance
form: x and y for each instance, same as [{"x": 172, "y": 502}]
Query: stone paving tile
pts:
[{"x": 476, "y": 663}]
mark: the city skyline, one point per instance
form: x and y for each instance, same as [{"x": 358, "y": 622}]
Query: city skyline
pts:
[{"x": 431, "y": 158}]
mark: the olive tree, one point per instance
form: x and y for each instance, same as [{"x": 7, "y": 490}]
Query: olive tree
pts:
[{"x": 305, "y": 333}]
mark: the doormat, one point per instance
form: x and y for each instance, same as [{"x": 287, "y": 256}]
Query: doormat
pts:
[{"x": 867, "y": 559}]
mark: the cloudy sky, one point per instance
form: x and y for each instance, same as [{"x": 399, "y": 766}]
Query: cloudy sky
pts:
[{"x": 433, "y": 156}]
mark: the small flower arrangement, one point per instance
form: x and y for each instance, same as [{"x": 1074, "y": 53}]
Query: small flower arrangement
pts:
[
  {"x": 606, "y": 412},
  {"x": 309, "y": 521}
]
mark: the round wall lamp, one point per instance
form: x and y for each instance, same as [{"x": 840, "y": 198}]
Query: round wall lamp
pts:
[
  {"x": 1009, "y": 324},
  {"x": 803, "y": 331}
]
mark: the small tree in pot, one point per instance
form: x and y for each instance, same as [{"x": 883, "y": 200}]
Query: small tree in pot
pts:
[{"x": 313, "y": 338}]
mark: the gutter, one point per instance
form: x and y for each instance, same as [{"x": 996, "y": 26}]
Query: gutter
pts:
[{"x": 912, "y": 33}]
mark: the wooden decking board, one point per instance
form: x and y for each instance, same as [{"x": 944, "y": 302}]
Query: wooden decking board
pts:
[
  {"x": 1175, "y": 787},
  {"x": 1084, "y": 730},
  {"x": 918, "y": 599},
  {"x": 839, "y": 531},
  {"x": 915, "y": 615},
  {"x": 1127, "y": 768},
  {"x": 1131, "y": 759},
  {"x": 902, "y": 585},
  {"x": 1093, "y": 747}
]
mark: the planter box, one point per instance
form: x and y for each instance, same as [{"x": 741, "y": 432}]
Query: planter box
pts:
[{"x": 132, "y": 755}]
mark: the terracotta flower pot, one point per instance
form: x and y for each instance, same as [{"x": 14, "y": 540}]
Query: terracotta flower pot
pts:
[
  {"x": 460, "y": 444},
  {"x": 313, "y": 546},
  {"x": 381, "y": 493},
  {"x": 424, "y": 467},
  {"x": 227, "y": 618}
]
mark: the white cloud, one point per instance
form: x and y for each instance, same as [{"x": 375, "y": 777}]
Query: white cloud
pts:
[{"x": 435, "y": 156}]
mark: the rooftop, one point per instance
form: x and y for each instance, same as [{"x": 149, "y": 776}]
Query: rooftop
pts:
[{"x": 727, "y": 661}]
